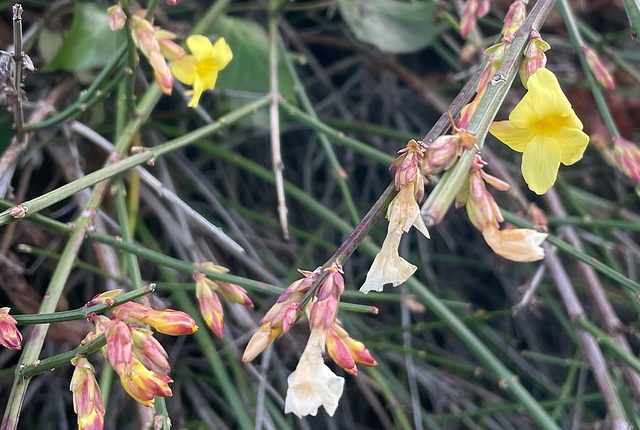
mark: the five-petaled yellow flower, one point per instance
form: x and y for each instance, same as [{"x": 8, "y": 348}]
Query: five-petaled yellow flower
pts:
[
  {"x": 201, "y": 69},
  {"x": 544, "y": 127}
]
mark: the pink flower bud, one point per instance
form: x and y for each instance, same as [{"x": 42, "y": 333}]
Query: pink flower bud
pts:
[
  {"x": 210, "y": 307},
  {"x": 627, "y": 156},
  {"x": 87, "y": 402},
  {"x": 117, "y": 17},
  {"x": 598, "y": 68},
  {"x": 149, "y": 351},
  {"x": 170, "y": 49},
  {"x": 150, "y": 381},
  {"x": 514, "y": 18},
  {"x": 141, "y": 396},
  {"x": 106, "y": 298},
  {"x": 340, "y": 353},
  {"x": 469, "y": 16},
  {"x": 119, "y": 351},
  {"x": 10, "y": 336}
]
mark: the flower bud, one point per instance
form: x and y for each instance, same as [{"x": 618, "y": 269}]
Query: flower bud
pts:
[
  {"x": 149, "y": 351},
  {"x": 150, "y": 381},
  {"x": 514, "y": 18},
  {"x": 598, "y": 68},
  {"x": 210, "y": 307},
  {"x": 87, "y": 402},
  {"x": 627, "y": 156},
  {"x": 117, "y": 17},
  {"x": 10, "y": 336},
  {"x": 339, "y": 352},
  {"x": 119, "y": 351},
  {"x": 469, "y": 17}
]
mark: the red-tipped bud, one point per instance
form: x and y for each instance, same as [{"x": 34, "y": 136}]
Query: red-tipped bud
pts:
[
  {"x": 119, "y": 351},
  {"x": 169, "y": 48},
  {"x": 161, "y": 72},
  {"x": 149, "y": 351},
  {"x": 210, "y": 307},
  {"x": 150, "y": 381},
  {"x": 172, "y": 322},
  {"x": 598, "y": 68},
  {"x": 141, "y": 396},
  {"x": 535, "y": 57},
  {"x": 87, "y": 402},
  {"x": 340, "y": 353},
  {"x": 10, "y": 336}
]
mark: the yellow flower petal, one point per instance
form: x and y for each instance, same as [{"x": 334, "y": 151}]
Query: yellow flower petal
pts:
[
  {"x": 546, "y": 95},
  {"x": 573, "y": 142},
  {"x": 514, "y": 137},
  {"x": 540, "y": 162},
  {"x": 200, "y": 46},
  {"x": 221, "y": 54},
  {"x": 184, "y": 69}
]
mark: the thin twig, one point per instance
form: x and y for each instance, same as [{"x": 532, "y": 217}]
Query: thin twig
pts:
[{"x": 18, "y": 114}]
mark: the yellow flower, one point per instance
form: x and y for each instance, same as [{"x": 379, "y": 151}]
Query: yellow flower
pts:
[
  {"x": 544, "y": 127},
  {"x": 201, "y": 69}
]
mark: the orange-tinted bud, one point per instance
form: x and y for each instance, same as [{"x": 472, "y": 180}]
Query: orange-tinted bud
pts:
[
  {"x": 514, "y": 18},
  {"x": 170, "y": 321},
  {"x": 149, "y": 351},
  {"x": 210, "y": 307},
  {"x": 469, "y": 16},
  {"x": 150, "y": 381},
  {"x": 360, "y": 353},
  {"x": 10, "y": 336},
  {"x": 119, "y": 351},
  {"x": 141, "y": 396},
  {"x": 161, "y": 72},
  {"x": 598, "y": 68},
  {"x": 340, "y": 353},
  {"x": 627, "y": 156},
  {"x": 87, "y": 402},
  {"x": 260, "y": 340},
  {"x": 117, "y": 17}
]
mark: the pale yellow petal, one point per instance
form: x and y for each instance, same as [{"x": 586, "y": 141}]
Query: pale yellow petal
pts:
[
  {"x": 514, "y": 137},
  {"x": 546, "y": 96},
  {"x": 521, "y": 245},
  {"x": 200, "y": 46},
  {"x": 524, "y": 115},
  {"x": 572, "y": 142},
  {"x": 540, "y": 162},
  {"x": 184, "y": 69},
  {"x": 221, "y": 54}
]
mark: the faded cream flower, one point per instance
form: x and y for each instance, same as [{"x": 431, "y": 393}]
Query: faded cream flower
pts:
[
  {"x": 388, "y": 267},
  {"x": 518, "y": 244},
  {"x": 313, "y": 384},
  {"x": 404, "y": 213}
]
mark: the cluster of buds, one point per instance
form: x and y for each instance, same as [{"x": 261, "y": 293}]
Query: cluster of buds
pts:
[
  {"x": 521, "y": 245},
  {"x": 535, "y": 57},
  {"x": 403, "y": 213},
  {"x": 598, "y": 68},
  {"x": 10, "y": 336},
  {"x": 155, "y": 43},
  {"x": 313, "y": 384},
  {"x": 446, "y": 149},
  {"x": 473, "y": 10},
  {"x": 137, "y": 357},
  {"x": 210, "y": 306}
]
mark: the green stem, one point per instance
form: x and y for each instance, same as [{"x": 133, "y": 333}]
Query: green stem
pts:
[
  {"x": 83, "y": 312},
  {"x": 339, "y": 172},
  {"x": 567, "y": 15},
  {"x": 443, "y": 195},
  {"x": 64, "y": 359},
  {"x": 39, "y": 203}
]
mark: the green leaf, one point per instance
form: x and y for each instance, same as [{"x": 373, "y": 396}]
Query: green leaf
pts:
[
  {"x": 89, "y": 43},
  {"x": 392, "y": 26},
  {"x": 249, "y": 69}
]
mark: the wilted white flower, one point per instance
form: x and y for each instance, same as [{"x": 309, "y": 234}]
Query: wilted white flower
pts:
[
  {"x": 388, "y": 267},
  {"x": 313, "y": 384}
]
